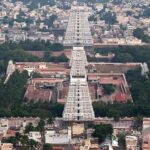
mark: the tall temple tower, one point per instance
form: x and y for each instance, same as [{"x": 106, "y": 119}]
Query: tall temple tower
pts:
[
  {"x": 78, "y": 30},
  {"x": 78, "y": 105}
]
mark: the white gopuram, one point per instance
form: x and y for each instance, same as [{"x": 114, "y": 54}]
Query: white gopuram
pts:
[
  {"x": 78, "y": 30},
  {"x": 78, "y": 105},
  {"x": 10, "y": 70}
]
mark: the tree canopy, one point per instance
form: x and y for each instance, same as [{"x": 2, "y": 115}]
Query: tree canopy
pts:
[
  {"x": 12, "y": 101},
  {"x": 29, "y": 45},
  {"x": 108, "y": 88},
  {"x": 139, "y": 33},
  {"x": 109, "y": 17},
  {"x": 47, "y": 147},
  {"x": 136, "y": 53},
  {"x": 123, "y": 57},
  {"x": 102, "y": 131},
  {"x": 22, "y": 140},
  {"x": 141, "y": 100},
  {"x": 146, "y": 12}
]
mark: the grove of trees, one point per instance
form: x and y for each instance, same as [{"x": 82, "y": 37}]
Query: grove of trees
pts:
[
  {"x": 139, "y": 33},
  {"x": 139, "y": 85},
  {"x": 128, "y": 53},
  {"x": 102, "y": 131},
  {"x": 17, "y": 52},
  {"x": 12, "y": 101},
  {"x": 22, "y": 140},
  {"x": 29, "y": 45},
  {"x": 108, "y": 88},
  {"x": 109, "y": 17},
  {"x": 146, "y": 12}
]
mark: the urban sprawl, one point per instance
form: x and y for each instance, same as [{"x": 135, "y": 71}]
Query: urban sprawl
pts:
[{"x": 74, "y": 75}]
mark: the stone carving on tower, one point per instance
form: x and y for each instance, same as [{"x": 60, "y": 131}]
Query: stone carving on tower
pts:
[
  {"x": 78, "y": 30},
  {"x": 78, "y": 105}
]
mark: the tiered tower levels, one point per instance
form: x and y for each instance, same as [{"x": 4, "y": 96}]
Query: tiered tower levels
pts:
[
  {"x": 78, "y": 30},
  {"x": 78, "y": 105}
]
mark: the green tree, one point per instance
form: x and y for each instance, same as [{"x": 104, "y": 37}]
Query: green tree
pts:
[
  {"x": 29, "y": 128},
  {"x": 102, "y": 131},
  {"x": 115, "y": 113},
  {"x": 146, "y": 12},
  {"x": 50, "y": 119},
  {"x": 47, "y": 56},
  {"x": 123, "y": 57},
  {"x": 139, "y": 33},
  {"x": 47, "y": 147},
  {"x": 41, "y": 125},
  {"x": 129, "y": 13},
  {"x": 109, "y": 17},
  {"x": 121, "y": 141},
  {"x": 108, "y": 88},
  {"x": 57, "y": 47},
  {"x": 92, "y": 18},
  {"x": 50, "y": 20},
  {"x": 36, "y": 75}
]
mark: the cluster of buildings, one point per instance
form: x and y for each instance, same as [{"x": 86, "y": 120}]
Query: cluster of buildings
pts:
[
  {"x": 76, "y": 84},
  {"x": 76, "y": 136},
  {"x": 19, "y": 22},
  {"x": 53, "y": 85},
  {"x": 49, "y": 23},
  {"x": 128, "y": 17}
]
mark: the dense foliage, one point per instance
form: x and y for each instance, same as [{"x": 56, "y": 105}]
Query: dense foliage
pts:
[
  {"x": 128, "y": 53},
  {"x": 29, "y": 45},
  {"x": 146, "y": 12},
  {"x": 39, "y": 127},
  {"x": 17, "y": 52},
  {"x": 109, "y": 17},
  {"x": 140, "y": 85},
  {"x": 140, "y": 89},
  {"x": 49, "y": 22},
  {"x": 102, "y": 131},
  {"x": 49, "y": 58},
  {"x": 123, "y": 57},
  {"x": 47, "y": 147},
  {"x": 108, "y": 88},
  {"x": 24, "y": 141},
  {"x": 139, "y": 33},
  {"x": 12, "y": 92},
  {"x": 16, "y": 55},
  {"x": 121, "y": 141},
  {"x": 13, "y": 104}
]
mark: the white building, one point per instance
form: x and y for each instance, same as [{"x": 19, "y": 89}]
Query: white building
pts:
[
  {"x": 131, "y": 142},
  {"x": 4, "y": 126},
  {"x": 144, "y": 69},
  {"x": 46, "y": 36},
  {"x": 2, "y": 38},
  {"x": 17, "y": 36},
  {"x": 52, "y": 137},
  {"x": 6, "y": 146},
  {"x": 34, "y": 135},
  {"x": 10, "y": 67}
]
